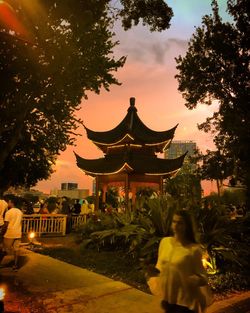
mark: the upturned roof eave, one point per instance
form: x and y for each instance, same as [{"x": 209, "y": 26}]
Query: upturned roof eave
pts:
[
  {"x": 132, "y": 138},
  {"x": 102, "y": 166},
  {"x": 131, "y": 125}
]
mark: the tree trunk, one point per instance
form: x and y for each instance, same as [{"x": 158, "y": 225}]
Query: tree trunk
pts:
[{"x": 218, "y": 187}]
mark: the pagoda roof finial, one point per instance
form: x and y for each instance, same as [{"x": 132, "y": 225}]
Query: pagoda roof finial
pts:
[{"x": 132, "y": 101}]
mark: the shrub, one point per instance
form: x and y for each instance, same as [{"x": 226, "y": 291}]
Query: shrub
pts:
[
  {"x": 137, "y": 232},
  {"x": 228, "y": 282},
  {"x": 225, "y": 240}
]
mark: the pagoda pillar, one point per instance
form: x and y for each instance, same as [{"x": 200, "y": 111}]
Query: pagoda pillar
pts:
[
  {"x": 97, "y": 193},
  {"x": 126, "y": 187},
  {"x": 133, "y": 190},
  {"x": 161, "y": 186},
  {"x": 104, "y": 192}
]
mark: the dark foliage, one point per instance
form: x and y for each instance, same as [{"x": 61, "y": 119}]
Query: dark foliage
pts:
[
  {"x": 54, "y": 53},
  {"x": 216, "y": 67}
]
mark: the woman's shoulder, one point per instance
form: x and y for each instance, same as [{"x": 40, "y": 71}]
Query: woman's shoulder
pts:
[{"x": 166, "y": 240}]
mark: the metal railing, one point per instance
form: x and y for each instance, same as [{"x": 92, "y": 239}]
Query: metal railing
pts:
[
  {"x": 54, "y": 224},
  {"x": 78, "y": 220},
  {"x": 51, "y": 224}
]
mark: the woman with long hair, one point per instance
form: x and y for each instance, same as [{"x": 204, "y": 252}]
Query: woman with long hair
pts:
[{"x": 182, "y": 280}]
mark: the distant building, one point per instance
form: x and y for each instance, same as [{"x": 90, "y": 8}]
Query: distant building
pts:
[
  {"x": 69, "y": 186},
  {"x": 70, "y": 190},
  {"x": 178, "y": 148}
]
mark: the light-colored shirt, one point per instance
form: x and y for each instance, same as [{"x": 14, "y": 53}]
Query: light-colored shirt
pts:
[
  {"x": 14, "y": 217},
  {"x": 182, "y": 275},
  {"x": 3, "y": 208}
]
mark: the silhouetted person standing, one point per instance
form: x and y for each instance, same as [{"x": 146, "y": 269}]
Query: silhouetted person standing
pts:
[
  {"x": 77, "y": 207},
  {"x": 13, "y": 234}
]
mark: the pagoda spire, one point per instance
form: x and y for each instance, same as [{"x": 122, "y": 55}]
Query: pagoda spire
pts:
[{"x": 133, "y": 109}]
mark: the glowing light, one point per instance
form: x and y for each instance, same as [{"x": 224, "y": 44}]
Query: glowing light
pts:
[
  {"x": 125, "y": 144},
  {"x": 208, "y": 264},
  {"x": 205, "y": 262},
  {"x": 10, "y": 20},
  {"x": 32, "y": 235},
  {"x": 125, "y": 166},
  {"x": 2, "y": 294},
  {"x": 162, "y": 174},
  {"x": 127, "y": 136},
  {"x": 159, "y": 143}
]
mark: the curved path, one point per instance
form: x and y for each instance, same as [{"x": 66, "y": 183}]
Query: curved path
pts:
[{"x": 44, "y": 284}]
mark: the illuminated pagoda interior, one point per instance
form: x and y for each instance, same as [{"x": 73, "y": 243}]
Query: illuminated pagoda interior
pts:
[{"x": 130, "y": 159}]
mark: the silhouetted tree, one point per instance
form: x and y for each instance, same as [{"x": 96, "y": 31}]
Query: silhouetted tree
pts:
[
  {"x": 54, "y": 53},
  {"x": 216, "y": 67}
]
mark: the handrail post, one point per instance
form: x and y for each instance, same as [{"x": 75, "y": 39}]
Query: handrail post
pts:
[
  {"x": 64, "y": 225},
  {"x": 40, "y": 226}
]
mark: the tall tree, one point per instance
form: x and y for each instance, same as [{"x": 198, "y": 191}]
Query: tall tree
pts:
[
  {"x": 51, "y": 54},
  {"x": 214, "y": 166},
  {"x": 185, "y": 188},
  {"x": 216, "y": 67}
]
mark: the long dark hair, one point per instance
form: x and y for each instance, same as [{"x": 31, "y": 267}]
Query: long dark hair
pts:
[{"x": 189, "y": 222}]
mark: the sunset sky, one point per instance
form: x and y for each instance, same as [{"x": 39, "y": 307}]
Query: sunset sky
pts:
[{"x": 148, "y": 75}]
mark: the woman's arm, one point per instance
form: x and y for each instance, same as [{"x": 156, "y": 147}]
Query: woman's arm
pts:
[
  {"x": 199, "y": 278},
  {"x": 158, "y": 263}
]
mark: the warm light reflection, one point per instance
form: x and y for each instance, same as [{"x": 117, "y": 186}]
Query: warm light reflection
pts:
[
  {"x": 126, "y": 137},
  {"x": 125, "y": 167},
  {"x": 32, "y": 235},
  {"x": 2, "y": 294},
  {"x": 9, "y": 19},
  {"x": 205, "y": 263},
  {"x": 172, "y": 174}
]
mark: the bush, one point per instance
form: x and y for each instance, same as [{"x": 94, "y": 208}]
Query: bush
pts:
[
  {"x": 139, "y": 232},
  {"x": 228, "y": 282},
  {"x": 225, "y": 240},
  {"x": 96, "y": 222},
  {"x": 136, "y": 232}
]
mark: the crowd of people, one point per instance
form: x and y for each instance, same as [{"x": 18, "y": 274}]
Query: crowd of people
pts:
[
  {"x": 11, "y": 214},
  {"x": 62, "y": 205}
]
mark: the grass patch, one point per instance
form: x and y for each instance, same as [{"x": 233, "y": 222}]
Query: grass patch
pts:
[
  {"x": 114, "y": 264},
  {"x": 120, "y": 266}
]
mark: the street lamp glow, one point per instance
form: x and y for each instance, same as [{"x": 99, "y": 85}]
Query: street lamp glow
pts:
[
  {"x": 2, "y": 294},
  {"x": 32, "y": 235}
]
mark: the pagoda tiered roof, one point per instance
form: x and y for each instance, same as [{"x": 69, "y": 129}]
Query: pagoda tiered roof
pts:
[
  {"x": 131, "y": 148},
  {"x": 132, "y": 130},
  {"x": 130, "y": 163}
]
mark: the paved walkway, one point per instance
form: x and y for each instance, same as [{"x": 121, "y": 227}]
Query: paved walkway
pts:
[{"x": 47, "y": 285}]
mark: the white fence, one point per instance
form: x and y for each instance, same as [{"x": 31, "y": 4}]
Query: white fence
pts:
[
  {"x": 78, "y": 220},
  {"x": 54, "y": 224},
  {"x": 51, "y": 224}
]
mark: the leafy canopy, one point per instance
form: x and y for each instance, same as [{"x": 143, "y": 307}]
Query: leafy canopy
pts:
[
  {"x": 216, "y": 68},
  {"x": 51, "y": 55}
]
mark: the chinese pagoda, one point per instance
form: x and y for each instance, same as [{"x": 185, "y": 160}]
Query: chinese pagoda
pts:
[{"x": 130, "y": 157}]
